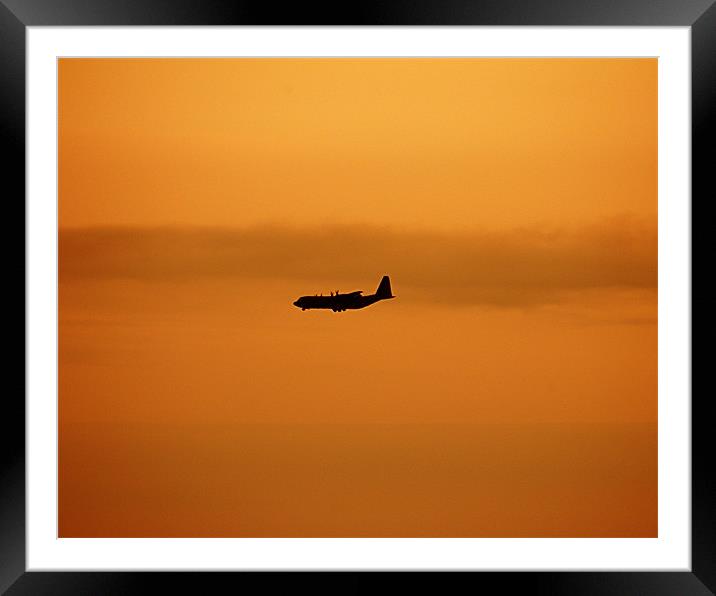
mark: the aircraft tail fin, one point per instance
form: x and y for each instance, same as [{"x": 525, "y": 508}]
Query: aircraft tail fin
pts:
[{"x": 384, "y": 290}]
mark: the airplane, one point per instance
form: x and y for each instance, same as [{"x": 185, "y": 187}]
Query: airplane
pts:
[{"x": 351, "y": 301}]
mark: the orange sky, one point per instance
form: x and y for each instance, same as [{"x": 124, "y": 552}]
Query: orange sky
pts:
[{"x": 512, "y": 201}]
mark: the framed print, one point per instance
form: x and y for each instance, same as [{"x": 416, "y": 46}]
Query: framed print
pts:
[{"x": 375, "y": 292}]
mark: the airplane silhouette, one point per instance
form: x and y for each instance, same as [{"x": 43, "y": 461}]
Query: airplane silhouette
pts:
[{"x": 351, "y": 301}]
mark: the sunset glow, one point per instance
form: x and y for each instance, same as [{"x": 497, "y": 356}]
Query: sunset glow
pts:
[{"x": 509, "y": 390}]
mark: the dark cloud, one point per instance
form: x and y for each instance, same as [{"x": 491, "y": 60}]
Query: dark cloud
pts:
[{"x": 519, "y": 267}]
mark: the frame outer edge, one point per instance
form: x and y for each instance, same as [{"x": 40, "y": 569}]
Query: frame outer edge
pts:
[
  {"x": 12, "y": 119},
  {"x": 12, "y": 139},
  {"x": 395, "y": 12},
  {"x": 703, "y": 128}
]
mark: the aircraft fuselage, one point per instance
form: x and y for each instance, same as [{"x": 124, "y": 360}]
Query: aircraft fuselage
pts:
[{"x": 350, "y": 301}]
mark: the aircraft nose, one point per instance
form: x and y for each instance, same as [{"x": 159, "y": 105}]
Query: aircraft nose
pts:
[{"x": 296, "y": 303}]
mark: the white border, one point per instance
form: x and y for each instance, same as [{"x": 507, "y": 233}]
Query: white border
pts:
[{"x": 670, "y": 551}]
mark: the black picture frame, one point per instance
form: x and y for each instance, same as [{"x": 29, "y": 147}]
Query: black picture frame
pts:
[{"x": 700, "y": 15}]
